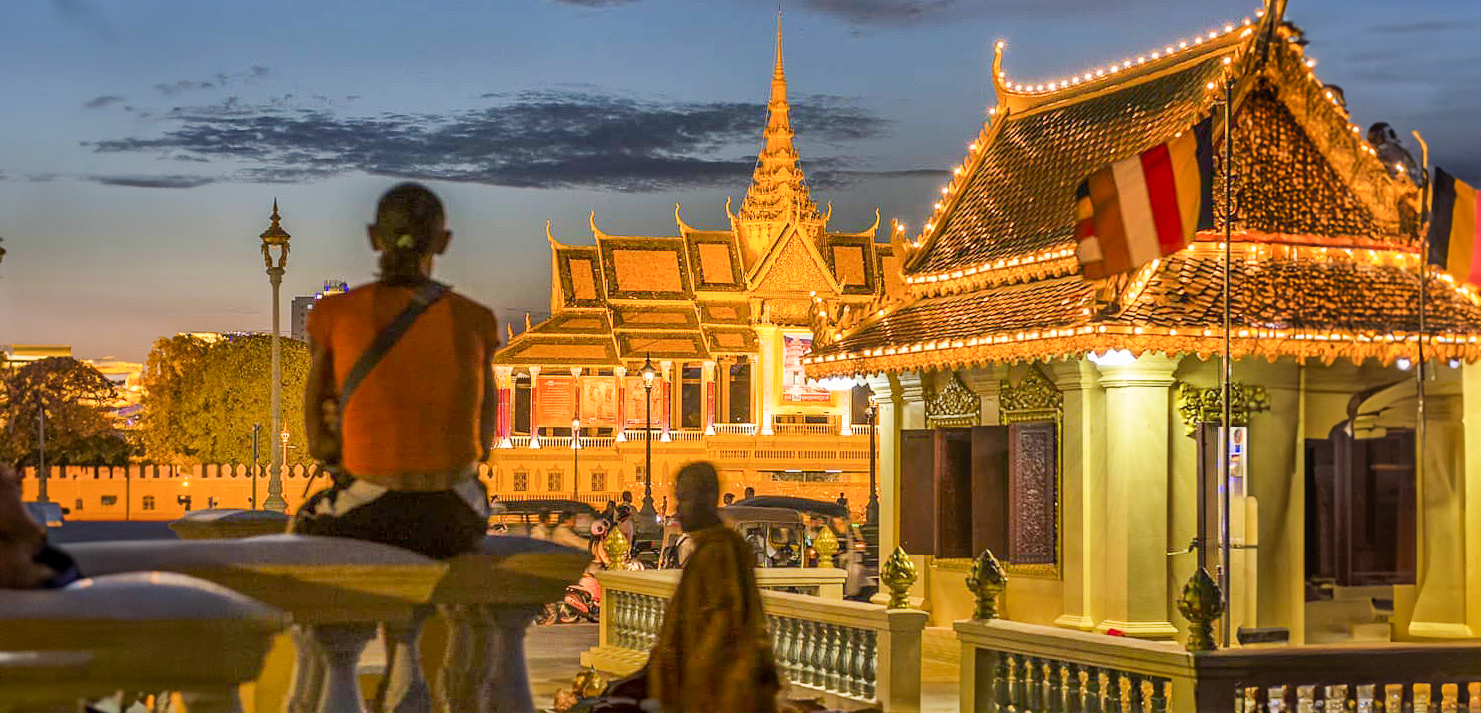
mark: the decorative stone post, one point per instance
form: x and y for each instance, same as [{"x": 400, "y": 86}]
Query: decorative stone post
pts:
[
  {"x": 897, "y": 574},
  {"x": 986, "y": 581}
]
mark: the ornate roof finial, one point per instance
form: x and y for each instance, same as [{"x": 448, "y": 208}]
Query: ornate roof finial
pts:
[
  {"x": 275, "y": 234},
  {"x": 777, "y": 186}
]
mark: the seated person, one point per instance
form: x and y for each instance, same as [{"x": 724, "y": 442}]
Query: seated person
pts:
[
  {"x": 564, "y": 532},
  {"x": 26, "y": 561}
]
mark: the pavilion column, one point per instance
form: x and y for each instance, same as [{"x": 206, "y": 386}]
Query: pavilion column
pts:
[
  {"x": 887, "y": 459},
  {"x": 987, "y": 382},
  {"x": 1268, "y": 582},
  {"x": 707, "y": 376},
  {"x": 504, "y": 382},
  {"x": 766, "y": 376},
  {"x": 846, "y": 412},
  {"x": 620, "y": 430},
  {"x": 534, "y": 407},
  {"x": 1082, "y": 484},
  {"x": 668, "y": 403},
  {"x": 759, "y": 414},
  {"x": 1441, "y": 606},
  {"x": 1131, "y": 537}
]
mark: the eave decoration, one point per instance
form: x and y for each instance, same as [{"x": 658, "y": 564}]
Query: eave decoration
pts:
[
  {"x": 1198, "y": 406},
  {"x": 953, "y": 405}
]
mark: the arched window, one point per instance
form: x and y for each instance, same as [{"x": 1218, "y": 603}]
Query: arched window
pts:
[{"x": 148, "y": 502}]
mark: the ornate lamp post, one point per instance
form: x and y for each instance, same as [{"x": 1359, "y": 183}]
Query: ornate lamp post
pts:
[
  {"x": 276, "y": 237},
  {"x": 575, "y": 456},
  {"x": 648, "y": 515},
  {"x": 870, "y": 531}
]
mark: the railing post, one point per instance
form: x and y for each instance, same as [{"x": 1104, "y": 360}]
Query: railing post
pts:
[
  {"x": 404, "y": 690},
  {"x": 899, "y": 647},
  {"x": 341, "y": 644}
]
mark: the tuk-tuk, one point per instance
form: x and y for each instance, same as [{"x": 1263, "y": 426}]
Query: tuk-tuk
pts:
[
  {"x": 777, "y": 535},
  {"x": 516, "y": 517},
  {"x": 862, "y": 581}
]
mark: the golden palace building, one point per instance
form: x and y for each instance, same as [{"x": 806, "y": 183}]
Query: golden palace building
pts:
[
  {"x": 724, "y": 318},
  {"x": 1060, "y": 423}
]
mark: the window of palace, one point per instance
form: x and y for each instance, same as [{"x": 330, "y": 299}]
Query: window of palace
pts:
[
  {"x": 522, "y": 403},
  {"x": 691, "y": 396},
  {"x": 148, "y": 503},
  {"x": 554, "y": 481},
  {"x": 598, "y": 481},
  {"x": 109, "y": 500},
  {"x": 738, "y": 392},
  {"x": 521, "y": 481},
  {"x": 968, "y": 488},
  {"x": 78, "y": 506},
  {"x": 805, "y": 476}
]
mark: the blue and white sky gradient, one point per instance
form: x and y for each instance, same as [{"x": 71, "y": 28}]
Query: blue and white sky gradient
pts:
[{"x": 142, "y": 143}]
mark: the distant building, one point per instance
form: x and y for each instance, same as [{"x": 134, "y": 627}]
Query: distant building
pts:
[
  {"x": 21, "y": 354},
  {"x": 305, "y": 304}
]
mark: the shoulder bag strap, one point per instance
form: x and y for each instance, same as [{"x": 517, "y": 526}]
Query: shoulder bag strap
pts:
[{"x": 426, "y": 295}]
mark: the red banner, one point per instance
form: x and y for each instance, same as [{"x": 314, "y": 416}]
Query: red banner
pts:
[
  {"x": 636, "y": 409},
  {"x": 557, "y": 401}
]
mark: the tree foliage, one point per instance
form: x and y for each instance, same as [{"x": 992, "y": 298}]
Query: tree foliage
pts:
[
  {"x": 76, "y": 398},
  {"x": 202, "y": 399}
]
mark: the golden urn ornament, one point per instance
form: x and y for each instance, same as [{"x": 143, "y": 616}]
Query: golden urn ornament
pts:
[
  {"x": 1201, "y": 603},
  {"x": 898, "y": 573},
  {"x": 986, "y": 581},
  {"x": 616, "y": 547},
  {"x": 826, "y": 544}
]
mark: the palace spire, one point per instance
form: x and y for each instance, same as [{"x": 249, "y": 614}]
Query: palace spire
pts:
[{"x": 777, "y": 185}]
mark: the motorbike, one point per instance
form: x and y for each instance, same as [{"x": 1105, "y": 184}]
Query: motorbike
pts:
[{"x": 582, "y": 602}]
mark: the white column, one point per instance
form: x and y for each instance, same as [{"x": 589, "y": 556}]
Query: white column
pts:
[
  {"x": 887, "y": 460},
  {"x": 707, "y": 398},
  {"x": 1134, "y": 592},
  {"x": 504, "y": 383},
  {"x": 846, "y": 414},
  {"x": 620, "y": 431},
  {"x": 1082, "y": 485}
]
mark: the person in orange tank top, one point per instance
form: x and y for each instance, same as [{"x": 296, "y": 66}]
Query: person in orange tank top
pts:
[{"x": 406, "y": 441}]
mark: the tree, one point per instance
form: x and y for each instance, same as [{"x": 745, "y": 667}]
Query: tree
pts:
[
  {"x": 76, "y": 398},
  {"x": 209, "y": 396}
]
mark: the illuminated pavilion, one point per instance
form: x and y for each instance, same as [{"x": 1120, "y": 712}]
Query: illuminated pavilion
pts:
[
  {"x": 1060, "y": 423},
  {"x": 724, "y": 317}
]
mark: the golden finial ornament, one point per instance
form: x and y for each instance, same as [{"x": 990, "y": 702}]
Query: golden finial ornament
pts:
[
  {"x": 616, "y": 547},
  {"x": 826, "y": 544},
  {"x": 589, "y": 683},
  {"x": 987, "y": 580},
  {"x": 897, "y": 574},
  {"x": 1201, "y": 603}
]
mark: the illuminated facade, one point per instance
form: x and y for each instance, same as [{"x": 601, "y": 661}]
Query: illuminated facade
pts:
[
  {"x": 725, "y": 317},
  {"x": 1063, "y": 424}
]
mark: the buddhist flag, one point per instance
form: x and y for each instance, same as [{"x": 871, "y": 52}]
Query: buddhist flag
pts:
[
  {"x": 1144, "y": 207},
  {"x": 1455, "y": 228}
]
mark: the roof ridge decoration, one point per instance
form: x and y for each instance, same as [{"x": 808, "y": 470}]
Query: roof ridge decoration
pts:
[
  {"x": 769, "y": 262},
  {"x": 684, "y": 228},
  {"x": 778, "y": 189},
  {"x": 591, "y": 219}
]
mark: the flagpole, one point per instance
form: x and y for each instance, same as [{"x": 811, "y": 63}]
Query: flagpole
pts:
[
  {"x": 1225, "y": 376},
  {"x": 1424, "y": 274}
]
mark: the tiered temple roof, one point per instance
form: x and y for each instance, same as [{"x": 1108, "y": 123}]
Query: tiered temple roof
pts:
[
  {"x": 700, "y": 294},
  {"x": 1325, "y": 242}
]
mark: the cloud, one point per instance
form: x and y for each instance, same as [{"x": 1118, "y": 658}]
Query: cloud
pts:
[
  {"x": 102, "y": 101},
  {"x": 154, "y": 181},
  {"x": 81, "y": 14},
  {"x": 216, "y": 81},
  {"x": 537, "y": 139},
  {"x": 596, "y": 3},
  {"x": 1426, "y": 27}
]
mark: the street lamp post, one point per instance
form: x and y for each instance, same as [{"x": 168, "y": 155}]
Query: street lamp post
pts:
[
  {"x": 256, "y": 434},
  {"x": 41, "y": 473},
  {"x": 276, "y": 237},
  {"x": 575, "y": 457},
  {"x": 649, "y": 515},
  {"x": 871, "y": 511}
]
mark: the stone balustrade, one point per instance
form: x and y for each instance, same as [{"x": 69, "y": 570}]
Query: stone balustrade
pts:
[
  {"x": 142, "y": 632},
  {"x": 1014, "y": 666},
  {"x": 337, "y": 591},
  {"x": 847, "y": 653}
]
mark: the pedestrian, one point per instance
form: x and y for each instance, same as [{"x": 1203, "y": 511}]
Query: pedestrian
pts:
[
  {"x": 406, "y": 363},
  {"x": 564, "y": 532},
  {"x": 26, "y": 560},
  {"x": 842, "y": 501},
  {"x": 729, "y": 499}
]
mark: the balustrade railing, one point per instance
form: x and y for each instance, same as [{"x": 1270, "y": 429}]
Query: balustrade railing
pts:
[
  {"x": 849, "y": 653},
  {"x": 337, "y": 591},
  {"x": 735, "y": 429},
  {"x": 1012, "y": 666}
]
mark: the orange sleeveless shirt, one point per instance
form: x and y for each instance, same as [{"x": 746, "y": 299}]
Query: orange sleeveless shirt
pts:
[{"x": 413, "y": 423}]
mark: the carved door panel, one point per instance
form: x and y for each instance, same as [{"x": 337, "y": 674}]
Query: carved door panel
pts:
[
  {"x": 990, "y": 490},
  {"x": 1033, "y": 454},
  {"x": 953, "y": 492},
  {"x": 917, "y": 491}
]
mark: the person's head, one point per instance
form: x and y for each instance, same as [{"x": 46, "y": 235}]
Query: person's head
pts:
[
  {"x": 409, "y": 229},
  {"x": 697, "y": 491},
  {"x": 568, "y": 518},
  {"x": 627, "y": 497},
  {"x": 750, "y": 492},
  {"x": 729, "y": 498},
  {"x": 547, "y": 518}
]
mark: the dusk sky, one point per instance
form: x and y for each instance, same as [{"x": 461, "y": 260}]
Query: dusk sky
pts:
[{"x": 143, "y": 142}]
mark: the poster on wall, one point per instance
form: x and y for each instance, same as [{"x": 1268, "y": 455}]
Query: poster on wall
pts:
[
  {"x": 795, "y": 388},
  {"x": 635, "y": 407},
  {"x": 598, "y": 401},
  {"x": 557, "y": 401}
]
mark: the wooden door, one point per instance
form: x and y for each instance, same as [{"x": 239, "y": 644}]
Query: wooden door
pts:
[
  {"x": 917, "y": 491},
  {"x": 990, "y": 490},
  {"x": 953, "y": 492}
]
